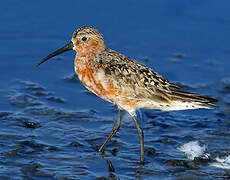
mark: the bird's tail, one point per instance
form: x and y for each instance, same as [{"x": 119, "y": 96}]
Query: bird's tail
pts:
[{"x": 181, "y": 97}]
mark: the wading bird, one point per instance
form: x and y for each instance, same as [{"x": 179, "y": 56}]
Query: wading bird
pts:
[{"x": 125, "y": 82}]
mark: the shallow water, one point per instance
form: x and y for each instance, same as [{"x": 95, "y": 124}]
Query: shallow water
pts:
[{"x": 51, "y": 126}]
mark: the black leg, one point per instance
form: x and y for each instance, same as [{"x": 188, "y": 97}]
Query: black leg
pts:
[
  {"x": 141, "y": 136},
  {"x": 115, "y": 129}
]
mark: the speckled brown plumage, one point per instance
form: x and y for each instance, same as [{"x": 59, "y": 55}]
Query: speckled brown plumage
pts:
[{"x": 143, "y": 84}]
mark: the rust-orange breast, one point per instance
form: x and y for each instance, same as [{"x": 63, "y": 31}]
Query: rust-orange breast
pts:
[{"x": 94, "y": 79}]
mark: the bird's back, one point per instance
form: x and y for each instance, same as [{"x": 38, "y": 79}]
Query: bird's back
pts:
[{"x": 144, "y": 86}]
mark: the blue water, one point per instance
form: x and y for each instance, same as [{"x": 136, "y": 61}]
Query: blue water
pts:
[{"x": 51, "y": 126}]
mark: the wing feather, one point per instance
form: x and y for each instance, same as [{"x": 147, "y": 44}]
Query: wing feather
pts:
[{"x": 142, "y": 83}]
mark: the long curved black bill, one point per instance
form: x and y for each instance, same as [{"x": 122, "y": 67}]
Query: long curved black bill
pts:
[{"x": 67, "y": 47}]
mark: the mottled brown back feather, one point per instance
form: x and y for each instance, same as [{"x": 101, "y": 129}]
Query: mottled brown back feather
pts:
[{"x": 140, "y": 82}]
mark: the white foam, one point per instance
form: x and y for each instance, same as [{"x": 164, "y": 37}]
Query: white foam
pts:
[
  {"x": 223, "y": 163},
  {"x": 192, "y": 149}
]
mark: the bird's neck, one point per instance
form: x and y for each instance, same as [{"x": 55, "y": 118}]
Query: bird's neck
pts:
[
  {"x": 85, "y": 59},
  {"x": 86, "y": 54}
]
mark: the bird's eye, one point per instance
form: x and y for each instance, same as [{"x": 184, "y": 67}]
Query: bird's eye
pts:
[{"x": 84, "y": 39}]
